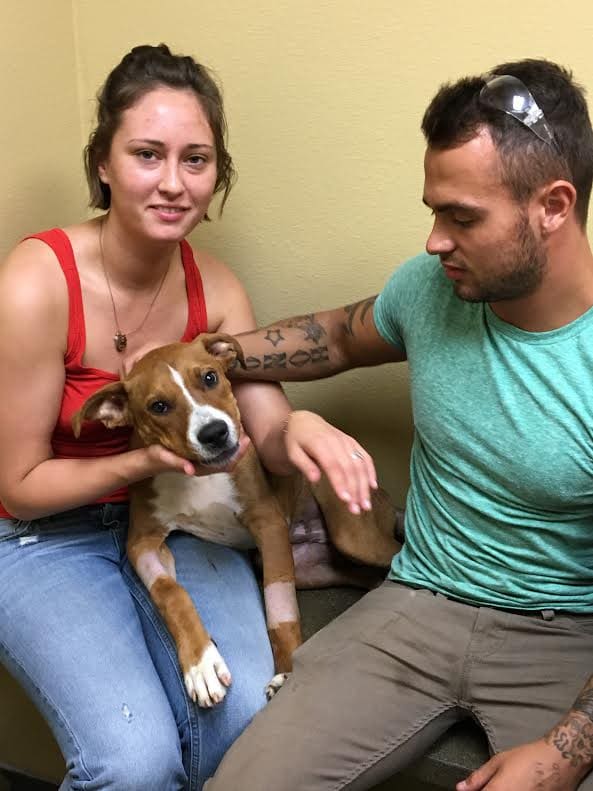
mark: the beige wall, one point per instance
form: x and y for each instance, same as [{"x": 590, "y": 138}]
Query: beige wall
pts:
[
  {"x": 324, "y": 100},
  {"x": 40, "y": 130}
]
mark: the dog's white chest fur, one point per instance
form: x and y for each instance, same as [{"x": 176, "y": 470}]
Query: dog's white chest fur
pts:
[{"x": 207, "y": 507}]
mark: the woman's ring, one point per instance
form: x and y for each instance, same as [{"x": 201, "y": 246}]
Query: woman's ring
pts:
[{"x": 356, "y": 454}]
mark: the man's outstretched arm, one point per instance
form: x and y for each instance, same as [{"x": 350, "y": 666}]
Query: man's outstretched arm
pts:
[{"x": 316, "y": 345}]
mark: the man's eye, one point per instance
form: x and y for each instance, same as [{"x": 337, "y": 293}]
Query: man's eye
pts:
[
  {"x": 462, "y": 222},
  {"x": 159, "y": 407},
  {"x": 210, "y": 379}
]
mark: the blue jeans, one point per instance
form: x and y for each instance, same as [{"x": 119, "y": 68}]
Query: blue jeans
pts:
[{"x": 80, "y": 633}]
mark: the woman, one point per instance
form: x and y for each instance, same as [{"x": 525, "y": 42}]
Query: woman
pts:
[{"x": 77, "y": 628}]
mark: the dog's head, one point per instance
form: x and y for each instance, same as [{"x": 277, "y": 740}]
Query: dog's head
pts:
[{"x": 177, "y": 396}]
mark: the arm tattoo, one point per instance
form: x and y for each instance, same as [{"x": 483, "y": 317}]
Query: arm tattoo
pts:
[
  {"x": 274, "y": 360},
  {"x": 318, "y": 354},
  {"x": 584, "y": 702},
  {"x": 302, "y": 357},
  {"x": 308, "y": 355},
  {"x": 308, "y": 324},
  {"x": 573, "y": 737},
  {"x": 274, "y": 336},
  {"x": 313, "y": 331},
  {"x": 251, "y": 363},
  {"x": 359, "y": 309}
]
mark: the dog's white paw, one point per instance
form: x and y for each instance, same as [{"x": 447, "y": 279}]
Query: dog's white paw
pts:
[
  {"x": 207, "y": 681},
  {"x": 275, "y": 684}
]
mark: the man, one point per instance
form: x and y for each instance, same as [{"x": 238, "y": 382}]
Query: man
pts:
[{"x": 488, "y": 609}]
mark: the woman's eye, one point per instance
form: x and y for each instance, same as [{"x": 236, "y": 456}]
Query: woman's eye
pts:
[
  {"x": 197, "y": 159},
  {"x": 210, "y": 379},
  {"x": 159, "y": 407},
  {"x": 147, "y": 155}
]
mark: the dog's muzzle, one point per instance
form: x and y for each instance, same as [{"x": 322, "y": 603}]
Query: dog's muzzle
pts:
[
  {"x": 218, "y": 446},
  {"x": 214, "y": 435}
]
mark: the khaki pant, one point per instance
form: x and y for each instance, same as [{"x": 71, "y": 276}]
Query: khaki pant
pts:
[{"x": 372, "y": 691}]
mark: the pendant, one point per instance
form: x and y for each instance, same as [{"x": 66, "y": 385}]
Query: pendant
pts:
[{"x": 120, "y": 341}]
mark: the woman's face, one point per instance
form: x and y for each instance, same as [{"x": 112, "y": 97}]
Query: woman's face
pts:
[{"x": 161, "y": 167}]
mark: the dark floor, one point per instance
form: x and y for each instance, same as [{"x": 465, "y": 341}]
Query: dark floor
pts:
[{"x": 12, "y": 782}]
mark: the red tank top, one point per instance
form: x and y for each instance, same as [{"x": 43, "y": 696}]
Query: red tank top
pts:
[{"x": 81, "y": 382}]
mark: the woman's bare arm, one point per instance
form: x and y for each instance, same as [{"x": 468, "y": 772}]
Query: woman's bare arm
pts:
[{"x": 33, "y": 331}]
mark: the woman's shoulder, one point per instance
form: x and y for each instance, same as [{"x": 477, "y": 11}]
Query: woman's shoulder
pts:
[
  {"x": 31, "y": 274},
  {"x": 36, "y": 250},
  {"x": 216, "y": 274},
  {"x": 209, "y": 264},
  {"x": 33, "y": 294},
  {"x": 30, "y": 268},
  {"x": 225, "y": 295}
]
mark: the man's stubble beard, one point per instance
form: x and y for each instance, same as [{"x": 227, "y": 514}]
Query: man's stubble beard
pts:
[{"x": 522, "y": 278}]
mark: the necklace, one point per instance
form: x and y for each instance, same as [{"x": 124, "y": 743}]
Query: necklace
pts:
[{"x": 120, "y": 339}]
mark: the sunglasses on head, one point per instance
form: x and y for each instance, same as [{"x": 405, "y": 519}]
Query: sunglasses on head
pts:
[{"x": 510, "y": 95}]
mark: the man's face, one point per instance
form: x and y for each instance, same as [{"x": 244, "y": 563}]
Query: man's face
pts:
[{"x": 484, "y": 238}]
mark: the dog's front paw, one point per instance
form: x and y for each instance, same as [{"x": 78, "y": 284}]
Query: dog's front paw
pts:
[
  {"x": 206, "y": 682},
  {"x": 275, "y": 684}
]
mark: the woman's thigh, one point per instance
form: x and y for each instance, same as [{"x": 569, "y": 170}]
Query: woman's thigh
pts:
[
  {"x": 223, "y": 587},
  {"x": 70, "y": 633}
]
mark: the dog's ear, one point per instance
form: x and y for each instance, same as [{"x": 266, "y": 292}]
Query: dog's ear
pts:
[
  {"x": 109, "y": 405},
  {"x": 226, "y": 347}
]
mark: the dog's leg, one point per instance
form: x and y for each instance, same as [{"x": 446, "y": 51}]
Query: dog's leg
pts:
[
  {"x": 282, "y": 611},
  {"x": 266, "y": 522},
  {"x": 205, "y": 673},
  {"x": 367, "y": 538}
]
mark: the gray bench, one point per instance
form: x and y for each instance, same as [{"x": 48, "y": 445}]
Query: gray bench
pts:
[{"x": 28, "y": 748}]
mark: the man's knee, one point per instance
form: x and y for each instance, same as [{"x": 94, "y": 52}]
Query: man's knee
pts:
[{"x": 262, "y": 758}]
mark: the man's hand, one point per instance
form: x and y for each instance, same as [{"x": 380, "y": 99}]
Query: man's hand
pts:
[
  {"x": 537, "y": 766},
  {"x": 556, "y": 762}
]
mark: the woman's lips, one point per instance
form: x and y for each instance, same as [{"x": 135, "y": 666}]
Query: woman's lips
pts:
[{"x": 169, "y": 213}]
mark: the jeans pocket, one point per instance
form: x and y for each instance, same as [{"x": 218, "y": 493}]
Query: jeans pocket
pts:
[{"x": 13, "y": 528}]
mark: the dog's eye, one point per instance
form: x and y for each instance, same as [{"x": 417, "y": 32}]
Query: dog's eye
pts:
[
  {"x": 159, "y": 407},
  {"x": 210, "y": 379}
]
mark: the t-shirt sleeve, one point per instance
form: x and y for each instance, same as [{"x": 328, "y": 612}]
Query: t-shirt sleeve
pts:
[{"x": 397, "y": 303}]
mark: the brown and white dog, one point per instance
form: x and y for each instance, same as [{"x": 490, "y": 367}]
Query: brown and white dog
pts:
[{"x": 179, "y": 396}]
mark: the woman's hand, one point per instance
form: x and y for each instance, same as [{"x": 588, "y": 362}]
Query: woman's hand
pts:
[
  {"x": 315, "y": 447},
  {"x": 158, "y": 459}
]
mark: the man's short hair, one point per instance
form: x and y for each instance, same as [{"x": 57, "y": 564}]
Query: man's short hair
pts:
[{"x": 455, "y": 116}]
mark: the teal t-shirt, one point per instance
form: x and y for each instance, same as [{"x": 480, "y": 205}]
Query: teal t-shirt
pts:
[{"x": 500, "y": 506}]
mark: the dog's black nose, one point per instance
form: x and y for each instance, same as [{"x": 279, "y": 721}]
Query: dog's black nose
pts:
[{"x": 215, "y": 433}]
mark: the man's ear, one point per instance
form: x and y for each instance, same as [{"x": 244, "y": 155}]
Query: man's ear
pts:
[
  {"x": 109, "y": 405},
  {"x": 225, "y": 347},
  {"x": 558, "y": 201}
]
